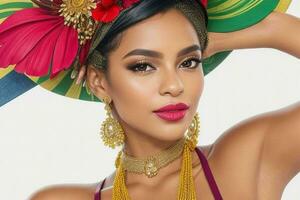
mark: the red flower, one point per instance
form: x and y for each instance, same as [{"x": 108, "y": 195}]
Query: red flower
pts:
[
  {"x": 128, "y": 3},
  {"x": 106, "y": 11},
  {"x": 204, "y": 3}
]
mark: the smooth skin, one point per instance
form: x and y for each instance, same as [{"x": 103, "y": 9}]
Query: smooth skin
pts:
[{"x": 254, "y": 159}]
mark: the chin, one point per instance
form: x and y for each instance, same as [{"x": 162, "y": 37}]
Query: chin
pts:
[{"x": 170, "y": 135}]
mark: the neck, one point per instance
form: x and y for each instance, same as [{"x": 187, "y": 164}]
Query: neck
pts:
[{"x": 140, "y": 145}]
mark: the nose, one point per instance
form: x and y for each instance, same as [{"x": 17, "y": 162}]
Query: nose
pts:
[{"x": 171, "y": 83}]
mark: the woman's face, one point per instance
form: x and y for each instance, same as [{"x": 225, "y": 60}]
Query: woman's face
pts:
[{"x": 170, "y": 75}]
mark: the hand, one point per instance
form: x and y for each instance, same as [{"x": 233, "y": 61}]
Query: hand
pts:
[
  {"x": 271, "y": 32},
  {"x": 81, "y": 75},
  {"x": 284, "y": 30}
]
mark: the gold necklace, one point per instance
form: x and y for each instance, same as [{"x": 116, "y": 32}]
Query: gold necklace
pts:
[
  {"x": 151, "y": 164},
  {"x": 186, "y": 188}
]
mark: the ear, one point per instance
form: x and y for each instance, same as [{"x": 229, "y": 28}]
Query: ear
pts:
[{"x": 96, "y": 81}]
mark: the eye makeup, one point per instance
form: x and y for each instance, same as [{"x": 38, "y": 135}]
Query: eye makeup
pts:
[{"x": 142, "y": 65}]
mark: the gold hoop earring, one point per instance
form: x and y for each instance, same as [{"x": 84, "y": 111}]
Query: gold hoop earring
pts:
[
  {"x": 112, "y": 132},
  {"x": 193, "y": 132}
]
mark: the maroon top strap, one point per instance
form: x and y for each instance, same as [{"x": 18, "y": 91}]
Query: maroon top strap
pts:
[
  {"x": 208, "y": 174},
  {"x": 205, "y": 166},
  {"x": 97, "y": 195}
]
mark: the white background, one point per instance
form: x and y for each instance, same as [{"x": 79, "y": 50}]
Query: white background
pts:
[{"x": 48, "y": 139}]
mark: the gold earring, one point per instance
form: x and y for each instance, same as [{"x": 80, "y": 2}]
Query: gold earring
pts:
[
  {"x": 112, "y": 133},
  {"x": 193, "y": 132}
]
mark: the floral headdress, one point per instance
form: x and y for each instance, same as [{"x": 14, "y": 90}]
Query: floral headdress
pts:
[{"x": 58, "y": 33}]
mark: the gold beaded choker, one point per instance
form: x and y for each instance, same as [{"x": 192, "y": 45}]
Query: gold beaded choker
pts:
[
  {"x": 151, "y": 164},
  {"x": 186, "y": 188}
]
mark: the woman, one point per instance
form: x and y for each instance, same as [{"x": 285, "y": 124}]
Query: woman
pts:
[{"x": 254, "y": 147}]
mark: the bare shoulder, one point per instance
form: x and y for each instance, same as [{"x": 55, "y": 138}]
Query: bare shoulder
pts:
[
  {"x": 244, "y": 139},
  {"x": 238, "y": 149},
  {"x": 250, "y": 138},
  {"x": 249, "y": 153},
  {"x": 65, "y": 192},
  {"x": 236, "y": 155}
]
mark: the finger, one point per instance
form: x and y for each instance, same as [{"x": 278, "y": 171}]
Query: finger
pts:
[
  {"x": 81, "y": 74},
  {"x": 74, "y": 74},
  {"x": 84, "y": 83}
]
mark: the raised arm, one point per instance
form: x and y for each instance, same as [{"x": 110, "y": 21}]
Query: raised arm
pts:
[
  {"x": 280, "y": 153},
  {"x": 278, "y": 30}
]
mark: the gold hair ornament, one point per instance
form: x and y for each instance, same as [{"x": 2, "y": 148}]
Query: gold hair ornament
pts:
[{"x": 77, "y": 13}]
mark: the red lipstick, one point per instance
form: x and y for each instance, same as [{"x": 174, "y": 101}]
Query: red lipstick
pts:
[{"x": 172, "y": 112}]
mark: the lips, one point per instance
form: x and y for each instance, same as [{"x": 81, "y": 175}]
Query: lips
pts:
[
  {"x": 173, "y": 107},
  {"x": 172, "y": 112}
]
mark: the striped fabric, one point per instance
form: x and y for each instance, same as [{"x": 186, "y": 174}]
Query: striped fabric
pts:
[{"x": 233, "y": 15}]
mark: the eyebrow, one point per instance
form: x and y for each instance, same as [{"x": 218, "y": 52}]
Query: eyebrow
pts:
[{"x": 155, "y": 54}]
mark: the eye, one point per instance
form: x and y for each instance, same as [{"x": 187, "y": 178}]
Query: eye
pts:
[
  {"x": 140, "y": 67},
  {"x": 189, "y": 62}
]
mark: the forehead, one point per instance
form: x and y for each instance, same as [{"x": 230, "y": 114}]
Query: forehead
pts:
[{"x": 169, "y": 29}]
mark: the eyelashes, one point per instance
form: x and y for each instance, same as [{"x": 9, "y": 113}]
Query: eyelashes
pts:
[{"x": 141, "y": 66}]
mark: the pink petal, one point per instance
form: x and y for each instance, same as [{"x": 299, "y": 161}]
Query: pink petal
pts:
[
  {"x": 33, "y": 39},
  {"x": 65, "y": 50},
  {"x": 38, "y": 61},
  {"x": 22, "y": 40},
  {"x": 21, "y": 35},
  {"x": 28, "y": 15}
]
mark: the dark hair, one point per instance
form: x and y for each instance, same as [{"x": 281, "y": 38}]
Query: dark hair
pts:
[{"x": 138, "y": 12}]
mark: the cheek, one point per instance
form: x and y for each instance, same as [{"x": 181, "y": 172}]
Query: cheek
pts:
[
  {"x": 131, "y": 94},
  {"x": 137, "y": 92},
  {"x": 194, "y": 84},
  {"x": 136, "y": 96}
]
